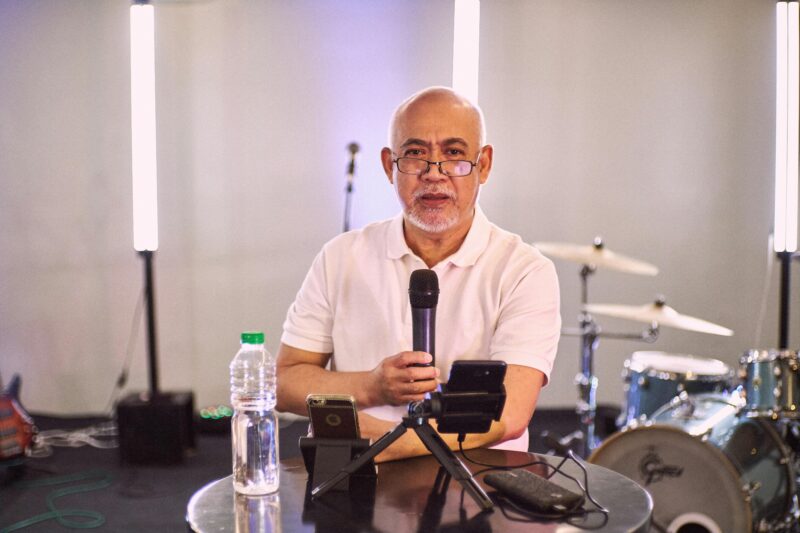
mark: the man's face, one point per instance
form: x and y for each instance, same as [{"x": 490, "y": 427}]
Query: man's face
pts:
[{"x": 437, "y": 129}]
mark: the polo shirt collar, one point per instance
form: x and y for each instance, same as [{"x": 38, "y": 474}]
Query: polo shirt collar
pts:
[{"x": 471, "y": 249}]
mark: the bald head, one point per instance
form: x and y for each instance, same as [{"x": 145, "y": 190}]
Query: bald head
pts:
[
  {"x": 439, "y": 103},
  {"x": 437, "y": 125}
]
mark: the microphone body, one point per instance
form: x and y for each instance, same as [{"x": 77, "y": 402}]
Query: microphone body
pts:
[
  {"x": 423, "y": 293},
  {"x": 424, "y": 332}
]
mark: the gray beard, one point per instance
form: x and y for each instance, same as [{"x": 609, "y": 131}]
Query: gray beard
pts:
[{"x": 428, "y": 222}]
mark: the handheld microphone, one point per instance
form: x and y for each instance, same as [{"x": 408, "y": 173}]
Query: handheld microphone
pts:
[
  {"x": 423, "y": 292},
  {"x": 353, "y": 148}
]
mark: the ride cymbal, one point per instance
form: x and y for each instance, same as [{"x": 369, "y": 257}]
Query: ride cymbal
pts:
[
  {"x": 597, "y": 256},
  {"x": 659, "y": 313}
]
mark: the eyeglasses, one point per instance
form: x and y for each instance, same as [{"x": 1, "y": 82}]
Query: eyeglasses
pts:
[{"x": 453, "y": 168}]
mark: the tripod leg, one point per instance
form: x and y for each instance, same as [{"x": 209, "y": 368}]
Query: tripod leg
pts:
[
  {"x": 453, "y": 465},
  {"x": 380, "y": 445}
]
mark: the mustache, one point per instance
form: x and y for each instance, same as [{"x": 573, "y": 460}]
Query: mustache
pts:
[{"x": 434, "y": 190}]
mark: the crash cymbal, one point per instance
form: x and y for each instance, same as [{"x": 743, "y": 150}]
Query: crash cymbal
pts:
[
  {"x": 659, "y": 313},
  {"x": 596, "y": 255}
]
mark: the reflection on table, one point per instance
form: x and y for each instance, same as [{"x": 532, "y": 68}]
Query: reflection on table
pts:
[{"x": 410, "y": 495}]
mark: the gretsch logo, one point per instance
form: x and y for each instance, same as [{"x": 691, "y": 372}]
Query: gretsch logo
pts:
[{"x": 653, "y": 469}]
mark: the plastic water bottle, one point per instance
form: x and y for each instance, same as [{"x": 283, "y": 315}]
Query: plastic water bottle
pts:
[{"x": 254, "y": 427}]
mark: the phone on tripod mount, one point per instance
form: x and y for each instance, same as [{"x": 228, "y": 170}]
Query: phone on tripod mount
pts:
[
  {"x": 472, "y": 397},
  {"x": 476, "y": 376},
  {"x": 333, "y": 416}
]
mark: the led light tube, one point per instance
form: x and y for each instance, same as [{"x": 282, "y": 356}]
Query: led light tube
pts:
[
  {"x": 466, "y": 33},
  {"x": 787, "y": 125},
  {"x": 143, "y": 128}
]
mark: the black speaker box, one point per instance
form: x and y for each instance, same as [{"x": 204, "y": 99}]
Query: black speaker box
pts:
[{"x": 156, "y": 429}]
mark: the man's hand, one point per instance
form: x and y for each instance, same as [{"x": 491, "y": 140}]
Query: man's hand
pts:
[
  {"x": 392, "y": 382},
  {"x": 395, "y": 382}
]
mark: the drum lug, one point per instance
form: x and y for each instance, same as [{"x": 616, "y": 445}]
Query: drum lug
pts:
[
  {"x": 749, "y": 489},
  {"x": 684, "y": 405}
]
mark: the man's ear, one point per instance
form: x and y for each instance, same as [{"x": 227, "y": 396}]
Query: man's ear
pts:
[
  {"x": 485, "y": 163},
  {"x": 386, "y": 161}
]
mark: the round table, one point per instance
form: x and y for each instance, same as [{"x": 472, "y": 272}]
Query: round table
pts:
[{"x": 402, "y": 499}]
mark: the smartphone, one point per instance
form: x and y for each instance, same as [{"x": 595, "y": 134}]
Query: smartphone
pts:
[
  {"x": 333, "y": 416},
  {"x": 476, "y": 376}
]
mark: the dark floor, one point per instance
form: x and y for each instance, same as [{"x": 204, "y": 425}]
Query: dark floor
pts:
[{"x": 89, "y": 486}]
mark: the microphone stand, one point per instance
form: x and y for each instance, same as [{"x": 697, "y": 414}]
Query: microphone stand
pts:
[
  {"x": 417, "y": 419},
  {"x": 348, "y": 193}
]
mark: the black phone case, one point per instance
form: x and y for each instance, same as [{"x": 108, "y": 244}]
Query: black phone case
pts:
[
  {"x": 337, "y": 419},
  {"x": 534, "y": 491}
]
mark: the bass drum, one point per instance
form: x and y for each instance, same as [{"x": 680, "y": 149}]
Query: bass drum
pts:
[{"x": 707, "y": 469}]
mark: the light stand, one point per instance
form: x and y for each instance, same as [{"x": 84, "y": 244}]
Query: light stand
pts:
[
  {"x": 150, "y": 312},
  {"x": 154, "y": 427}
]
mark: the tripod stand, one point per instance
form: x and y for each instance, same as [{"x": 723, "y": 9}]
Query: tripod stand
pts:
[{"x": 417, "y": 419}]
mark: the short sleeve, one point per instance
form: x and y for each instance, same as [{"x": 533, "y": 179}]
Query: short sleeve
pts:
[
  {"x": 309, "y": 321},
  {"x": 529, "y": 323}
]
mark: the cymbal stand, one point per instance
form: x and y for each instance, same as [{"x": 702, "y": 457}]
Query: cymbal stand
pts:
[{"x": 590, "y": 334}]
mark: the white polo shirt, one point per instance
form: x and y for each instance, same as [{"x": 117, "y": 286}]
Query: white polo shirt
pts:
[{"x": 499, "y": 299}]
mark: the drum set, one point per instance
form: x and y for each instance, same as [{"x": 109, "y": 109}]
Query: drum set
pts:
[{"x": 717, "y": 449}]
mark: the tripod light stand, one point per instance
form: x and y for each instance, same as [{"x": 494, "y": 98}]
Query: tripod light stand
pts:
[{"x": 154, "y": 427}]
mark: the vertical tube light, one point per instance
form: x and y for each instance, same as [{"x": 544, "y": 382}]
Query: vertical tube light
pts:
[
  {"x": 466, "y": 32},
  {"x": 787, "y": 125},
  {"x": 143, "y": 128}
]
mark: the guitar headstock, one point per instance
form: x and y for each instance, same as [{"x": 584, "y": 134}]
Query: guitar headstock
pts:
[{"x": 16, "y": 425}]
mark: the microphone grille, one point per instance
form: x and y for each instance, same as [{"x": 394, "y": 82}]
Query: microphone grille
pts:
[
  {"x": 423, "y": 288},
  {"x": 353, "y": 147}
]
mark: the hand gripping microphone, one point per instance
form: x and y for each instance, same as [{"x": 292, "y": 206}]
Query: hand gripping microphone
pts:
[{"x": 423, "y": 292}]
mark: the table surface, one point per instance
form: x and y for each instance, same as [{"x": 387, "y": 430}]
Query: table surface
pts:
[{"x": 402, "y": 499}]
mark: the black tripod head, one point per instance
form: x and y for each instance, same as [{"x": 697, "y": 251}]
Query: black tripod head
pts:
[{"x": 461, "y": 412}]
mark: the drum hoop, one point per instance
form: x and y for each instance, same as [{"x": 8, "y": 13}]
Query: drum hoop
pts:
[
  {"x": 646, "y": 367},
  {"x": 731, "y": 401},
  {"x": 758, "y": 356},
  {"x": 727, "y": 463},
  {"x": 767, "y": 356},
  {"x": 669, "y": 375}
]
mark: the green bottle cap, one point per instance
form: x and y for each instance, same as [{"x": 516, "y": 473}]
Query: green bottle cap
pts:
[{"x": 252, "y": 337}]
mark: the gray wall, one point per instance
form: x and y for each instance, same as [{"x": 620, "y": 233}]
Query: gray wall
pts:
[{"x": 650, "y": 123}]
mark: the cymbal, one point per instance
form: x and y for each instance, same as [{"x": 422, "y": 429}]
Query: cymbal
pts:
[
  {"x": 596, "y": 255},
  {"x": 659, "y": 313}
]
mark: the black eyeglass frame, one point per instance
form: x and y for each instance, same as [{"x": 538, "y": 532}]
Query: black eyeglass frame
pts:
[{"x": 438, "y": 164}]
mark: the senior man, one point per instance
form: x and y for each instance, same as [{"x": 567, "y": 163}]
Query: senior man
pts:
[{"x": 499, "y": 297}]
